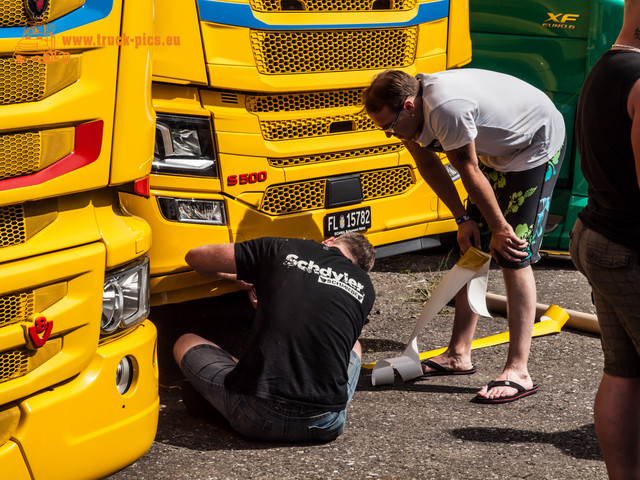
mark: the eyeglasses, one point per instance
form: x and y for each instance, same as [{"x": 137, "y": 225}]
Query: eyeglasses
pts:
[{"x": 392, "y": 125}]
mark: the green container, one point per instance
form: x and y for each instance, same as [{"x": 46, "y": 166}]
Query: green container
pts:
[{"x": 552, "y": 44}]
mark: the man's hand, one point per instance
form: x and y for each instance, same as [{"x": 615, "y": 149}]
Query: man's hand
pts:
[
  {"x": 505, "y": 242},
  {"x": 253, "y": 297},
  {"x": 251, "y": 291},
  {"x": 468, "y": 235}
]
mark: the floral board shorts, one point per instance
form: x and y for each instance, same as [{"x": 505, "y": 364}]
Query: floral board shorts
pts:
[{"x": 524, "y": 199}]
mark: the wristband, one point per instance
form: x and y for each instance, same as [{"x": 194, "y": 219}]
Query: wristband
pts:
[{"x": 464, "y": 218}]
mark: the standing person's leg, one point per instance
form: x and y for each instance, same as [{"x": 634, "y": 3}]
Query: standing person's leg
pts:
[
  {"x": 457, "y": 358},
  {"x": 617, "y": 420},
  {"x": 524, "y": 198},
  {"x": 614, "y": 273},
  {"x": 616, "y": 412},
  {"x": 521, "y": 309}
]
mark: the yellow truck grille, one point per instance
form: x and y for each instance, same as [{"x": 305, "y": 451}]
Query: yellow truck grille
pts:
[
  {"x": 291, "y": 102},
  {"x": 20, "y": 307},
  {"x": 18, "y": 362},
  {"x": 294, "y": 197},
  {"x": 21, "y": 82},
  {"x": 315, "y": 127},
  {"x": 335, "y": 156},
  {"x": 16, "y": 308},
  {"x": 310, "y": 195},
  {"x": 20, "y": 222},
  {"x": 28, "y": 152},
  {"x": 19, "y": 154},
  {"x": 13, "y": 364},
  {"x": 385, "y": 183},
  {"x": 13, "y": 229},
  {"x": 315, "y": 50},
  {"x": 13, "y": 14},
  {"x": 331, "y": 5}
]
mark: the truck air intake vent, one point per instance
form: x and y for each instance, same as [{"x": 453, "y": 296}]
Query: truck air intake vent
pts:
[
  {"x": 288, "y": 5},
  {"x": 314, "y": 127},
  {"x": 13, "y": 14},
  {"x": 20, "y": 222},
  {"x": 19, "y": 154},
  {"x": 13, "y": 364},
  {"x": 13, "y": 229},
  {"x": 16, "y": 308},
  {"x": 335, "y": 156},
  {"x": 294, "y": 102},
  {"x": 21, "y": 82},
  {"x": 310, "y": 195},
  {"x": 331, "y": 5},
  {"x": 24, "y": 153},
  {"x": 289, "y": 52},
  {"x": 18, "y": 362},
  {"x": 342, "y": 126},
  {"x": 27, "y": 80},
  {"x": 229, "y": 98}
]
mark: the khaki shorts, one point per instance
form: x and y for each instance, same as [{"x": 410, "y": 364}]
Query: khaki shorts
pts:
[{"x": 613, "y": 272}]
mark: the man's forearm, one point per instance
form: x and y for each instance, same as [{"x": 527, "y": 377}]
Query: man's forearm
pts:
[
  {"x": 435, "y": 174},
  {"x": 477, "y": 186},
  {"x": 210, "y": 260}
]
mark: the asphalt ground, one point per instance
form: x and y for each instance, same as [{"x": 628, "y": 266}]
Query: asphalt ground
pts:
[{"x": 427, "y": 428}]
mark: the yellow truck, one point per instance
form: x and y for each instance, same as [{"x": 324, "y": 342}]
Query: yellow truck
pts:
[
  {"x": 260, "y": 129},
  {"x": 78, "y": 369}
]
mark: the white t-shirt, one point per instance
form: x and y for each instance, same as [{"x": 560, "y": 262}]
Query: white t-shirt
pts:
[{"x": 515, "y": 126}]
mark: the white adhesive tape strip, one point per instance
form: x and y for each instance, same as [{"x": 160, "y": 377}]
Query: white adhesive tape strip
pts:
[{"x": 474, "y": 275}]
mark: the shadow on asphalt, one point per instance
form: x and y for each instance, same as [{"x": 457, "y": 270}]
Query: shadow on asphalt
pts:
[
  {"x": 380, "y": 345},
  {"x": 579, "y": 443},
  {"x": 364, "y": 384}
]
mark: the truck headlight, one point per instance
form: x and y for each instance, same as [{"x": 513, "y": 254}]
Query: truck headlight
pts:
[
  {"x": 192, "y": 210},
  {"x": 184, "y": 146},
  {"x": 125, "y": 296}
]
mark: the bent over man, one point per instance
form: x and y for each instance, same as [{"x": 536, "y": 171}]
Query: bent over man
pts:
[
  {"x": 302, "y": 361},
  {"x": 506, "y": 139}
]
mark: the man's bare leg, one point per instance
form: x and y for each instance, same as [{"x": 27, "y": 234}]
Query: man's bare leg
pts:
[
  {"x": 521, "y": 313},
  {"x": 458, "y": 354},
  {"x": 186, "y": 342},
  {"x": 617, "y": 420}
]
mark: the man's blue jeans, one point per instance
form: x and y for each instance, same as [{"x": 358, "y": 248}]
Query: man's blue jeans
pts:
[{"x": 206, "y": 367}]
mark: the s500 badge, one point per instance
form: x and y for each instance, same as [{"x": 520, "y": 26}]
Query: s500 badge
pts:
[{"x": 246, "y": 178}]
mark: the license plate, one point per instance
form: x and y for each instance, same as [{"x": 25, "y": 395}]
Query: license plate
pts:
[{"x": 355, "y": 220}]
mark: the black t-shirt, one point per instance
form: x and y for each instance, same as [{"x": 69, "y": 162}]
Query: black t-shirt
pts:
[
  {"x": 603, "y": 133},
  {"x": 312, "y": 304}
]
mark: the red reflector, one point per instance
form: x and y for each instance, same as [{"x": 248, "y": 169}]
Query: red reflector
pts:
[{"x": 141, "y": 187}]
